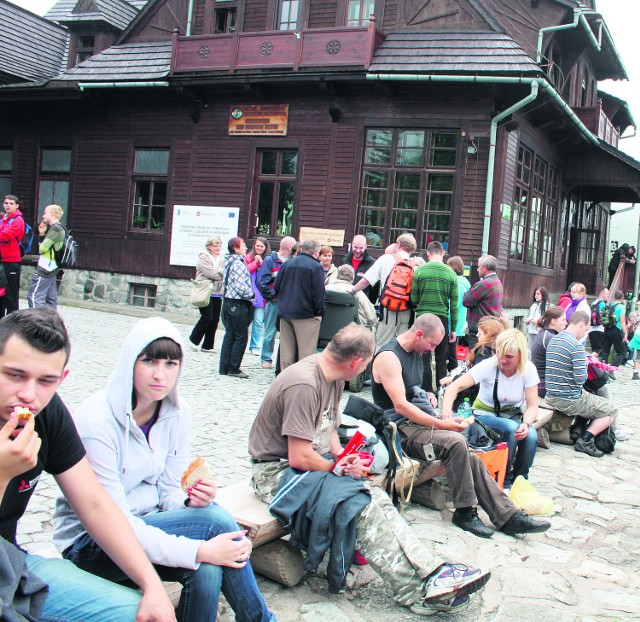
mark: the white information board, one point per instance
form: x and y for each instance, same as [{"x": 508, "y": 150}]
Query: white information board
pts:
[{"x": 193, "y": 224}]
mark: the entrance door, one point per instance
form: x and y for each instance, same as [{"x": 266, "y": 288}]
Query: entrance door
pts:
[{"x": 585, "y": 258}]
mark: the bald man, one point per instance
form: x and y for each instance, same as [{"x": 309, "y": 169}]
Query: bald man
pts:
[{"x": 360, "y": 260}]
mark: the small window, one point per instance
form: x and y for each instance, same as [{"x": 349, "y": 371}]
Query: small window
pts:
[
  {"x": 360, "y": 12},
  {"x": 6, "y": 171},
  {"x": 288, "y": 14},
  {"x": 150, "y": 177},
  {"x": 55, "y": 176},
  {"x": 225, "y": 19},
  {"x": 141, "y": 295},
  {"x": 85, "y": 45}
]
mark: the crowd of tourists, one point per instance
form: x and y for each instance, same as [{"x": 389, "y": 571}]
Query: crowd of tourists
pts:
[{"x": 124, "y": 517}]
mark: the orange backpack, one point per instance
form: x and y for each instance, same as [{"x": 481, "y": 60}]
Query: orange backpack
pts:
[{"x": 396, "y": 293}]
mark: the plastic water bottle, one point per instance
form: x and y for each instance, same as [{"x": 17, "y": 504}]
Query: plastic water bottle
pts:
[{"x": 464, "y": 410}]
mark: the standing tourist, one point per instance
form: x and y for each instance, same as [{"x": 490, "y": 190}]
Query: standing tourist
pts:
[
  {"x": 326, "y": 258},
  {"x": 485, "y": 297},
  {"x": 536, "y": 311},
  {"x": 615, "y": 332},
  {"x": 236, "y": 306},
  {"x": 210, "y": 267},
  {"x": 11, "y": 234},
  {"x": 360, "y": 260},
  {"x": 596, "y": 330},
  {"x": 44, "y": 289},
  {"x": 254, "y": 259}
]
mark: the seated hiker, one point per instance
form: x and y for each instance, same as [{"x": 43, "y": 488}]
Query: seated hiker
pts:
[
  {"x": 565, "y": 375},
  {"x": 294, "y": 437},
  {"x": 34, "y": 352},
  {"x": 505, "y": 381},
  {"x": 137, "y": 436},
  {"x": 396, "y": 368}
]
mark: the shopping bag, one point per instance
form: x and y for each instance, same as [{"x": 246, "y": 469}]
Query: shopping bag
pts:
[{"x": 527, "y": 498}]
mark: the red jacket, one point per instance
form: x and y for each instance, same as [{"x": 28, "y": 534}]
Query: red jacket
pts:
[{"x": 11, "y": 233}]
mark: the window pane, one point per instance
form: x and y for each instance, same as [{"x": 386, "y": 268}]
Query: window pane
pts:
[
  {"x": 5, "y": 186},
  {"x": 439, "y": 222},
  {"x": 376, "y": 155},
  {"x": 439, "y": 202},
  {"x": 374, "y": 191},
  {"x": 159, "y": 202},
  {"x": 284, "y": 226},
  {"x": 378, "y": 147},
  {"x": 443, "y": 183},
  {"x": 405, "y": 220},
  {"x": 53, "y": 192},
  {"x": 444, "y": 149},
  {"x": 265, "y": 206},
  {"x": 288, "y": 15},
  {"x": 353, "y": 18},
  {"x": 56, "y": 160},
  {"x": 410, "y": 148},
  {"x": 408, "y": 181},
  {"x": 141, "y": 202},
  {"x": 289, "y": 163},
  {"x": 6, "y": 160},
  {"x": 268, "y": 163},
  {"x": 380, "y": 138},
  {"x": 149, "y": 162}
]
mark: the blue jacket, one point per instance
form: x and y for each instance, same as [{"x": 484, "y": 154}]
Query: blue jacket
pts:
[
  {"x": 320, "y": 510},
  {"x": 300, "y": 288},
  {"x": 266, "y": 276}
]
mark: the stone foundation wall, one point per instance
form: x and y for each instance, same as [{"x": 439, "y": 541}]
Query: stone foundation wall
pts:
[{"x": 172, "y": 295}]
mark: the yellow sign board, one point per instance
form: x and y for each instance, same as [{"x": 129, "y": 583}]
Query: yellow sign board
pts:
[
  {"x": 330, "y": 237},
  {"x": 258, "y": 120}
]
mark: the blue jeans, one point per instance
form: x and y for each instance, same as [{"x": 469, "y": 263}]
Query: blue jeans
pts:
[
  {"x": 521, "y": 453},
  {"x": 269, "y": 331},
  {"x": 200, "y": 588},
  {"x": 256, "y": 329}
]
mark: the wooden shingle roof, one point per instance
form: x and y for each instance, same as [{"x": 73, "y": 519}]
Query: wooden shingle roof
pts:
[
  {"x": 130, "y": 61},
  {"x": 451, "y": 52},
  {"x": 31, "y": 48},
  {"x": 116, "y": 13}
]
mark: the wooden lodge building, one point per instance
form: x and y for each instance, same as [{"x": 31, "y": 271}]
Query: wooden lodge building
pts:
[{"x": 476, "y": 122}]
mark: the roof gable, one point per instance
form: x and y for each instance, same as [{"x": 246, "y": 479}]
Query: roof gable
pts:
[
  {"x": 20, "y": 59},
  {"x": 446, "y": 14},
  {"x": 116, "y": 13}
]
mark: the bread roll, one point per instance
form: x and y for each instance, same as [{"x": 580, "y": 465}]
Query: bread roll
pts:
[{"x": 198, "y": 469}]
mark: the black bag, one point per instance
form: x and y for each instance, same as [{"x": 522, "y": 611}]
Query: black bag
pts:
[
  {"x": 359, "y": 408},
  {"x": 513, "y": 412},
  {"x": 3, "y": 277},
  {"x": 605, "y": 441}
]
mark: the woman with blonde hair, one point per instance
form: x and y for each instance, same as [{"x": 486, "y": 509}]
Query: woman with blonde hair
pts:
[
  {"x": 209, "y": 267},
  {"x": 578, "y": 301},
  {"x": 505, "y": 381}
]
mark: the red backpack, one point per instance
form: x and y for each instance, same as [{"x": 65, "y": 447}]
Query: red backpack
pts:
[{"x": 396, "y": 293}]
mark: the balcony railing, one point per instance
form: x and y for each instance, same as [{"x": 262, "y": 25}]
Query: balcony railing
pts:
[
  {"x": 599, "y": 123},
  {"x": 295, "y": 50}
]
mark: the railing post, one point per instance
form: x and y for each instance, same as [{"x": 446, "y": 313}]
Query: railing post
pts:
[
  {"x": 234, "y": 52},
  {"x": 370, "y": 43},
  {"x": 174, "y": 50}
]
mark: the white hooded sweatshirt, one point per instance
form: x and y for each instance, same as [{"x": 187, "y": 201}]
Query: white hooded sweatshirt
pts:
[{"x": 141, "y": 477}]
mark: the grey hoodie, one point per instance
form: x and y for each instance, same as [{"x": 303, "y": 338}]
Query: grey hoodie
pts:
[{"x": 140, "y": 477}]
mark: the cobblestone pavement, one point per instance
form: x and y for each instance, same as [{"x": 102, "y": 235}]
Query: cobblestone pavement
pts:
[{"x": 584, "y": 569}]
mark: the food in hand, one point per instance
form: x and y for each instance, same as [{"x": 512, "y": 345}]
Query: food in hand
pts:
[
  {"x": 24, "y": 414},
  {"x": 467, "y": 421},
  {"x": 198, "y": 469}
]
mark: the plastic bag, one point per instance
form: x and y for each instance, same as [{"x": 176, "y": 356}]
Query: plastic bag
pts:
[{"x": 527, "y": 498}]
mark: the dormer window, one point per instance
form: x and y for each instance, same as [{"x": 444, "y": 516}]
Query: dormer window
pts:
[{"x": 85, "y": 45}]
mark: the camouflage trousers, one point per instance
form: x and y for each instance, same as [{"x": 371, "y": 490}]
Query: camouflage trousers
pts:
[{"x": 382, "y": 536}]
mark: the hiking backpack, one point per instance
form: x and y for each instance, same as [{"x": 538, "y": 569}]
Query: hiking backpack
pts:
[
  {"x": 608, "y": 315},
  {"x": 67, "y": 256},
  {"x": 396, "y": 293},
  {"x": 27, "y": 240},
  {"x": 596, "y": 313}
]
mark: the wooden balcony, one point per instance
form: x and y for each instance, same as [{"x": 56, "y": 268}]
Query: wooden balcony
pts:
[
  {"x": 314, "y": 48},
  {"x": 599, "y": 123}
]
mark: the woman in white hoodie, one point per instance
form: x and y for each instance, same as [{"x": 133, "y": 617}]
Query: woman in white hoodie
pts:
[{"x": 137, "y": 437}]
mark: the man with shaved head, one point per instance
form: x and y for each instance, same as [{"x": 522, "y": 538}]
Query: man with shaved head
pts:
[{"x": 360, "y": 260}]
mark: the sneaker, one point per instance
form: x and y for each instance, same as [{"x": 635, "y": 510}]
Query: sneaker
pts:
[
  {"x": 521, "y": 523},
  {"x": 237, "y": 374},
  {"x": 255, "y": 352},
  {"x": 454, "y": 580},
  {"x": 470, "y": 521},
  {"x": 192, "y": 345},
  {"x": 588, "y": 447},
  {"x": 207, "y": 350},
  {"x": 267, "y": 365},
  {"x": 447, "y": 605}
]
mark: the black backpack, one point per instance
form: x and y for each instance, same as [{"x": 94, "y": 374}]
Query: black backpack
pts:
[
  {"x": 608, "y": 316},
  {"x": 596, "y": 313}
]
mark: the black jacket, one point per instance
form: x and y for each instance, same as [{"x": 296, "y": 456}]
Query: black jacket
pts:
[
  {"x": 300, "y": 289},
  {"x": 320, "y": 510},
  {"x": 371, "y": 291}
]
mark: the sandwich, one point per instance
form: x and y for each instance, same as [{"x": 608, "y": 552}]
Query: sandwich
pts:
[
  {"x": 24, "y": 414},
  {"x": 467, "y": 421},
  {"x": 198, "y": 469}
]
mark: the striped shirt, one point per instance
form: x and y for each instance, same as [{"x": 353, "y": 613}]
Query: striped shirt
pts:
[
  {"x": 566, "y": 368},
  {"x": 435, "y": 290}
]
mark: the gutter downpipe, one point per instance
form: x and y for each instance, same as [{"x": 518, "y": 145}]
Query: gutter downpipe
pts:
[
  {"x": 83, "y": 86},
  {"x": 578, "y": 19},
  {"x": 190, "y": 17},
  {"x": 540, "y": 83}
]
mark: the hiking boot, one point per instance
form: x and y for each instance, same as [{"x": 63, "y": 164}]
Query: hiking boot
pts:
[
  {"x": 470, "y": 521},
  {"x": 521, "y": 523},
  {"x": 451, "y": 580},
  {"x": 588, "y": 447},
  {"x": 238, "y": 374},
  {"x": 447, "y": 605}
]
